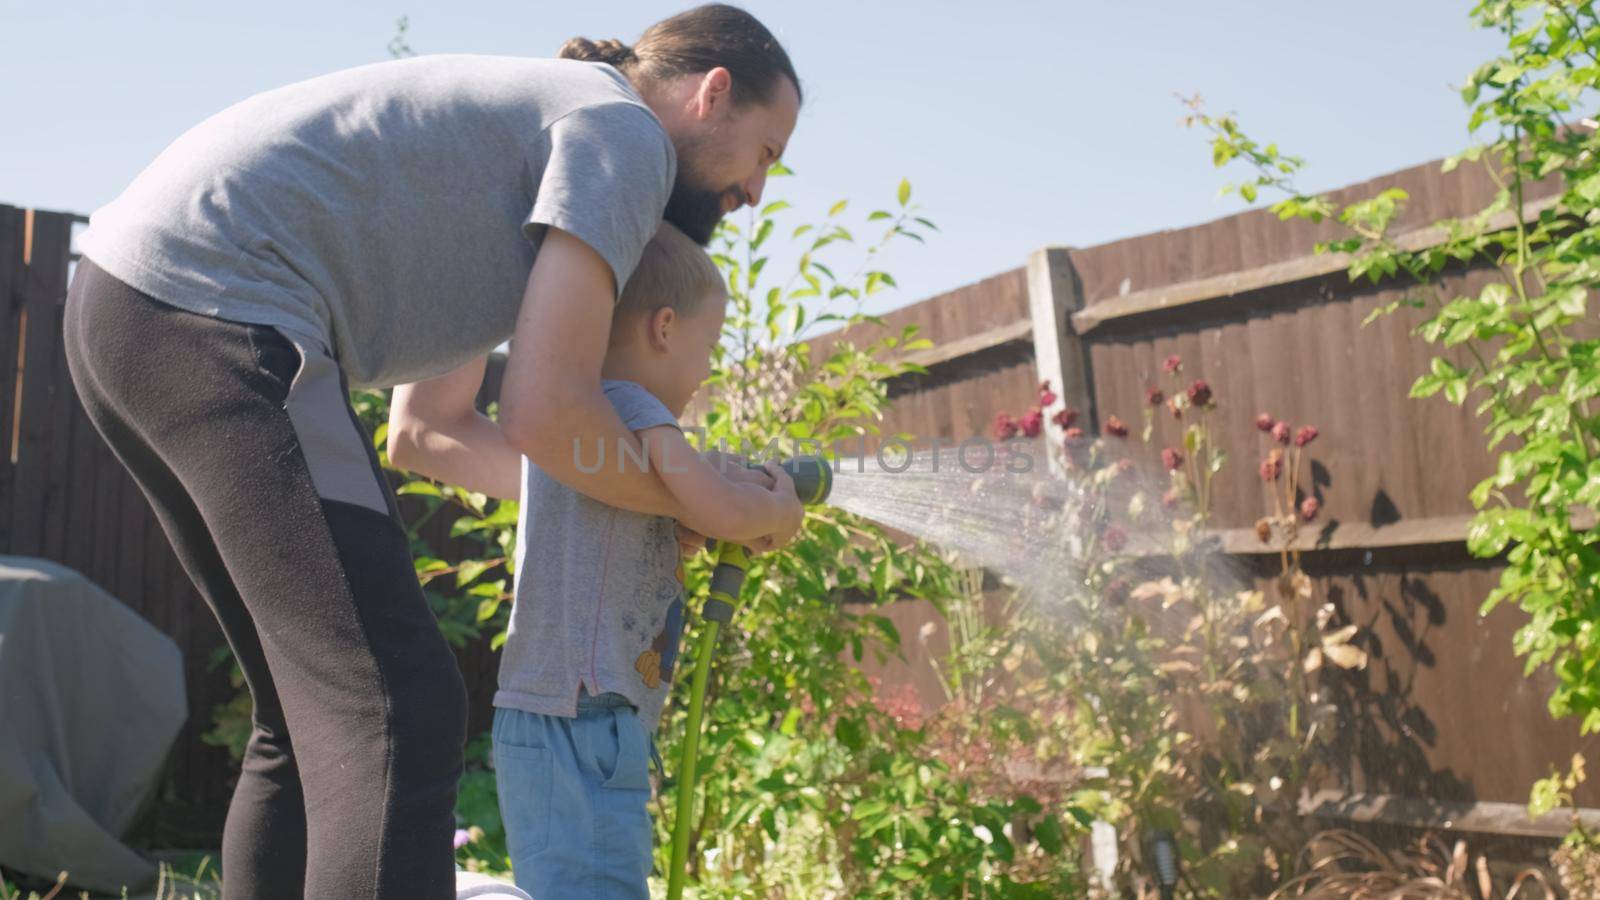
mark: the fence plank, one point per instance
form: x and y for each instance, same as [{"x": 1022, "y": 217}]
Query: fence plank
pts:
[
  {"x": 1059, "y": 357},
  {"x": 10, "y": 340},
  {"x": 1509, "y": 819},
  {"x": 1231, "y": 284},
  {"x": 52, "y": 243},
  {"x": 41, "y": 337}
]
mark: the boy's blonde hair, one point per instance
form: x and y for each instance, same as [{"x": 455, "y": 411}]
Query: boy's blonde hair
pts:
[{"x": 673, "y": 271}]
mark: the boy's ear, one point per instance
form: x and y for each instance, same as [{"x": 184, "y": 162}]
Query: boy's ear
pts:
[{"x": 662, "y": 321}]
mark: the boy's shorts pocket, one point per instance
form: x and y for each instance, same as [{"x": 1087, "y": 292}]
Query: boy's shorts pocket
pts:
[
  {"x": 631, "y": 771},
  {"x": 522, "y": 780}
]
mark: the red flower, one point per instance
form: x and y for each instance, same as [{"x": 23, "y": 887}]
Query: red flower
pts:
[
  {"x": 1169, "y": 500},
  {"x": 1200, "y": 393},
  {"x": 1305, "y": 435},
  {"x": 1280, "y": 433},
  {"x": 1153, "y": 396},
  {"x": 1265, "y": 422},
  {"x": 1046, "y": 396},
  {"x": 1064, "y": 417},
  {"x": 1272, "y": 466},
  {"x": 1172, "y": 458},
  {"x": 1074, "y": 435},
  {"x": 1031, "y": 423},
  {"x": 1309, "y": 508},
  {"x": 1115, "y": 539},
  {"x": 1172, "y": 365},
  {"x": 1115, "y": 427},
  {"x": 1004, "y": 427}
]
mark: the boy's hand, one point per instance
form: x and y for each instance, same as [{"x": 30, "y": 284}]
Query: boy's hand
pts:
[
  {"x": 690, "y": 541},
  {"x": 793, "y": 512}
]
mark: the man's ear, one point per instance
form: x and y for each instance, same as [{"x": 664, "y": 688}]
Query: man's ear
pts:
[
  {"x": 662, "y": 322},
  {"x": 714, "y": 93}
]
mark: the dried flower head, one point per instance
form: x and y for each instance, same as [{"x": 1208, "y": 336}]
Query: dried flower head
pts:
[
  {"x": 1272, "y": 466},
  {"x": 1173, "y": 365},
  {"x": 1309, "y": 507},
  {"x": 1200, "y": 393},
  {"x": 1116, "y": 591},
  {"x": 1280, "y": 433},
  {"x": 1154, "y": 396},
  {"x": 1031, "y": 423},
  {"x": 1064, "y": 417},
  {"x": 1264, "y": 530},
  {"x": 1172, "y": 458},
  {"x": 1115, "y": 539},
  {"x": 1305, "y": 435},
  {"x": 1004, "y": 427},
  {"x": 1265, "y": 422}
]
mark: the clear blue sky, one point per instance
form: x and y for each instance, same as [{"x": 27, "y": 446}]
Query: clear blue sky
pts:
[{"x": 1020, "y": 124}]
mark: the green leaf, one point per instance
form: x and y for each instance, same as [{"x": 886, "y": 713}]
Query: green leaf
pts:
[
  {"x": 420, "y": 488},
  {"x": 469, "y": 571},
  {"x": 837, "y": 208},
  {"x": 1048, "y": 834},
  {"x": 850, "y": 734},
  {"x": 904, "y": 194}
]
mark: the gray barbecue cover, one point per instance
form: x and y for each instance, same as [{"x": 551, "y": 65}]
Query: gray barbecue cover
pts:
[{"x": 91, "y": 697}]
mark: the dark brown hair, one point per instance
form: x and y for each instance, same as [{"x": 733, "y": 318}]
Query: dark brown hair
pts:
[
  {"x": 696, "y": 41},
  {"x": 673, "y": 271}
]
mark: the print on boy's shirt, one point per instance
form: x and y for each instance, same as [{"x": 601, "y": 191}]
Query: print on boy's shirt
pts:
[{"x": 654, "y": 665}]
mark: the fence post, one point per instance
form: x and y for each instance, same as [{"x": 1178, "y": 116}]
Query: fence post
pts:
[{"x": 1054, "y": 294}]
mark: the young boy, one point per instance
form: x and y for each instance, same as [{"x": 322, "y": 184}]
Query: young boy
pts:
[{"x": 599, "y": 600}]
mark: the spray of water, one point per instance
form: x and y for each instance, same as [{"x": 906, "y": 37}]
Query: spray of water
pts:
[{"x": 1040, "y": 530}]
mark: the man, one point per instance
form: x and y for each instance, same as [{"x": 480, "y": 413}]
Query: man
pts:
[{"x": 387, "y": 225}]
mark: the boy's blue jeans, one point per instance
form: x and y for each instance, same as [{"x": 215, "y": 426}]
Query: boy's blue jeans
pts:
[{"x": 574, "y": 795}]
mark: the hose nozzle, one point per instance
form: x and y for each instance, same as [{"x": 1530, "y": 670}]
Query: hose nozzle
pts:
[{"x": 813, "y": 478}]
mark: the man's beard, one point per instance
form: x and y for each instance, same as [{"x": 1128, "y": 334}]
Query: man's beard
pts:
[{"x": 697, "y": 210}]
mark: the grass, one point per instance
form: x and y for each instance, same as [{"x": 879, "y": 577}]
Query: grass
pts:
[{"x": 186, "y": 876}]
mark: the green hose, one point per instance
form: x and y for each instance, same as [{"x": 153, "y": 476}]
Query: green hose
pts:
[
  {"x": 727, "y": 581},
  {"x": 813, "y": 481}
]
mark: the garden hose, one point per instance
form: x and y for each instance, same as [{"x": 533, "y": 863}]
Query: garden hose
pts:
[{"x": 813, "y": 480}]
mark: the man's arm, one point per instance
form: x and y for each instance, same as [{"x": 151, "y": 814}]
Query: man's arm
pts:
[
  {"x": 435, "y": 430},
  {"x": 715, "y": 505},
  {"x": 551, "y": 404}
]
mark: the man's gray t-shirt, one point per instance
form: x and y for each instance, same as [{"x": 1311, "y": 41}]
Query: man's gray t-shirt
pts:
[
  {"x": 392, "y": 212},
  {"x": 599, "y": 590}
]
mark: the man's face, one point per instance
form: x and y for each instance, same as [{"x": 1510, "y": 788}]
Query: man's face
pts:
[{"x": 724, "y": 156}]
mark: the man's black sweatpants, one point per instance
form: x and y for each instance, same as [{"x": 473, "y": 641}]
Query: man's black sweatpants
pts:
[{"x": 244, "y": 442}]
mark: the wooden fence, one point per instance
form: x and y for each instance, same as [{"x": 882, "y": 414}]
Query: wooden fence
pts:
[{"x": 1441, "y": 729}]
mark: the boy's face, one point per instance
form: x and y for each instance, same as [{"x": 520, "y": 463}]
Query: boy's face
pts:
[{"x": 687, "y": 363}]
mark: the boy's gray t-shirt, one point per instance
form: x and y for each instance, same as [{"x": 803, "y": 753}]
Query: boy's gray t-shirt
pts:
[
  {"x": 599, "y": 591},
  {"x": 392, "y": 212}
]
